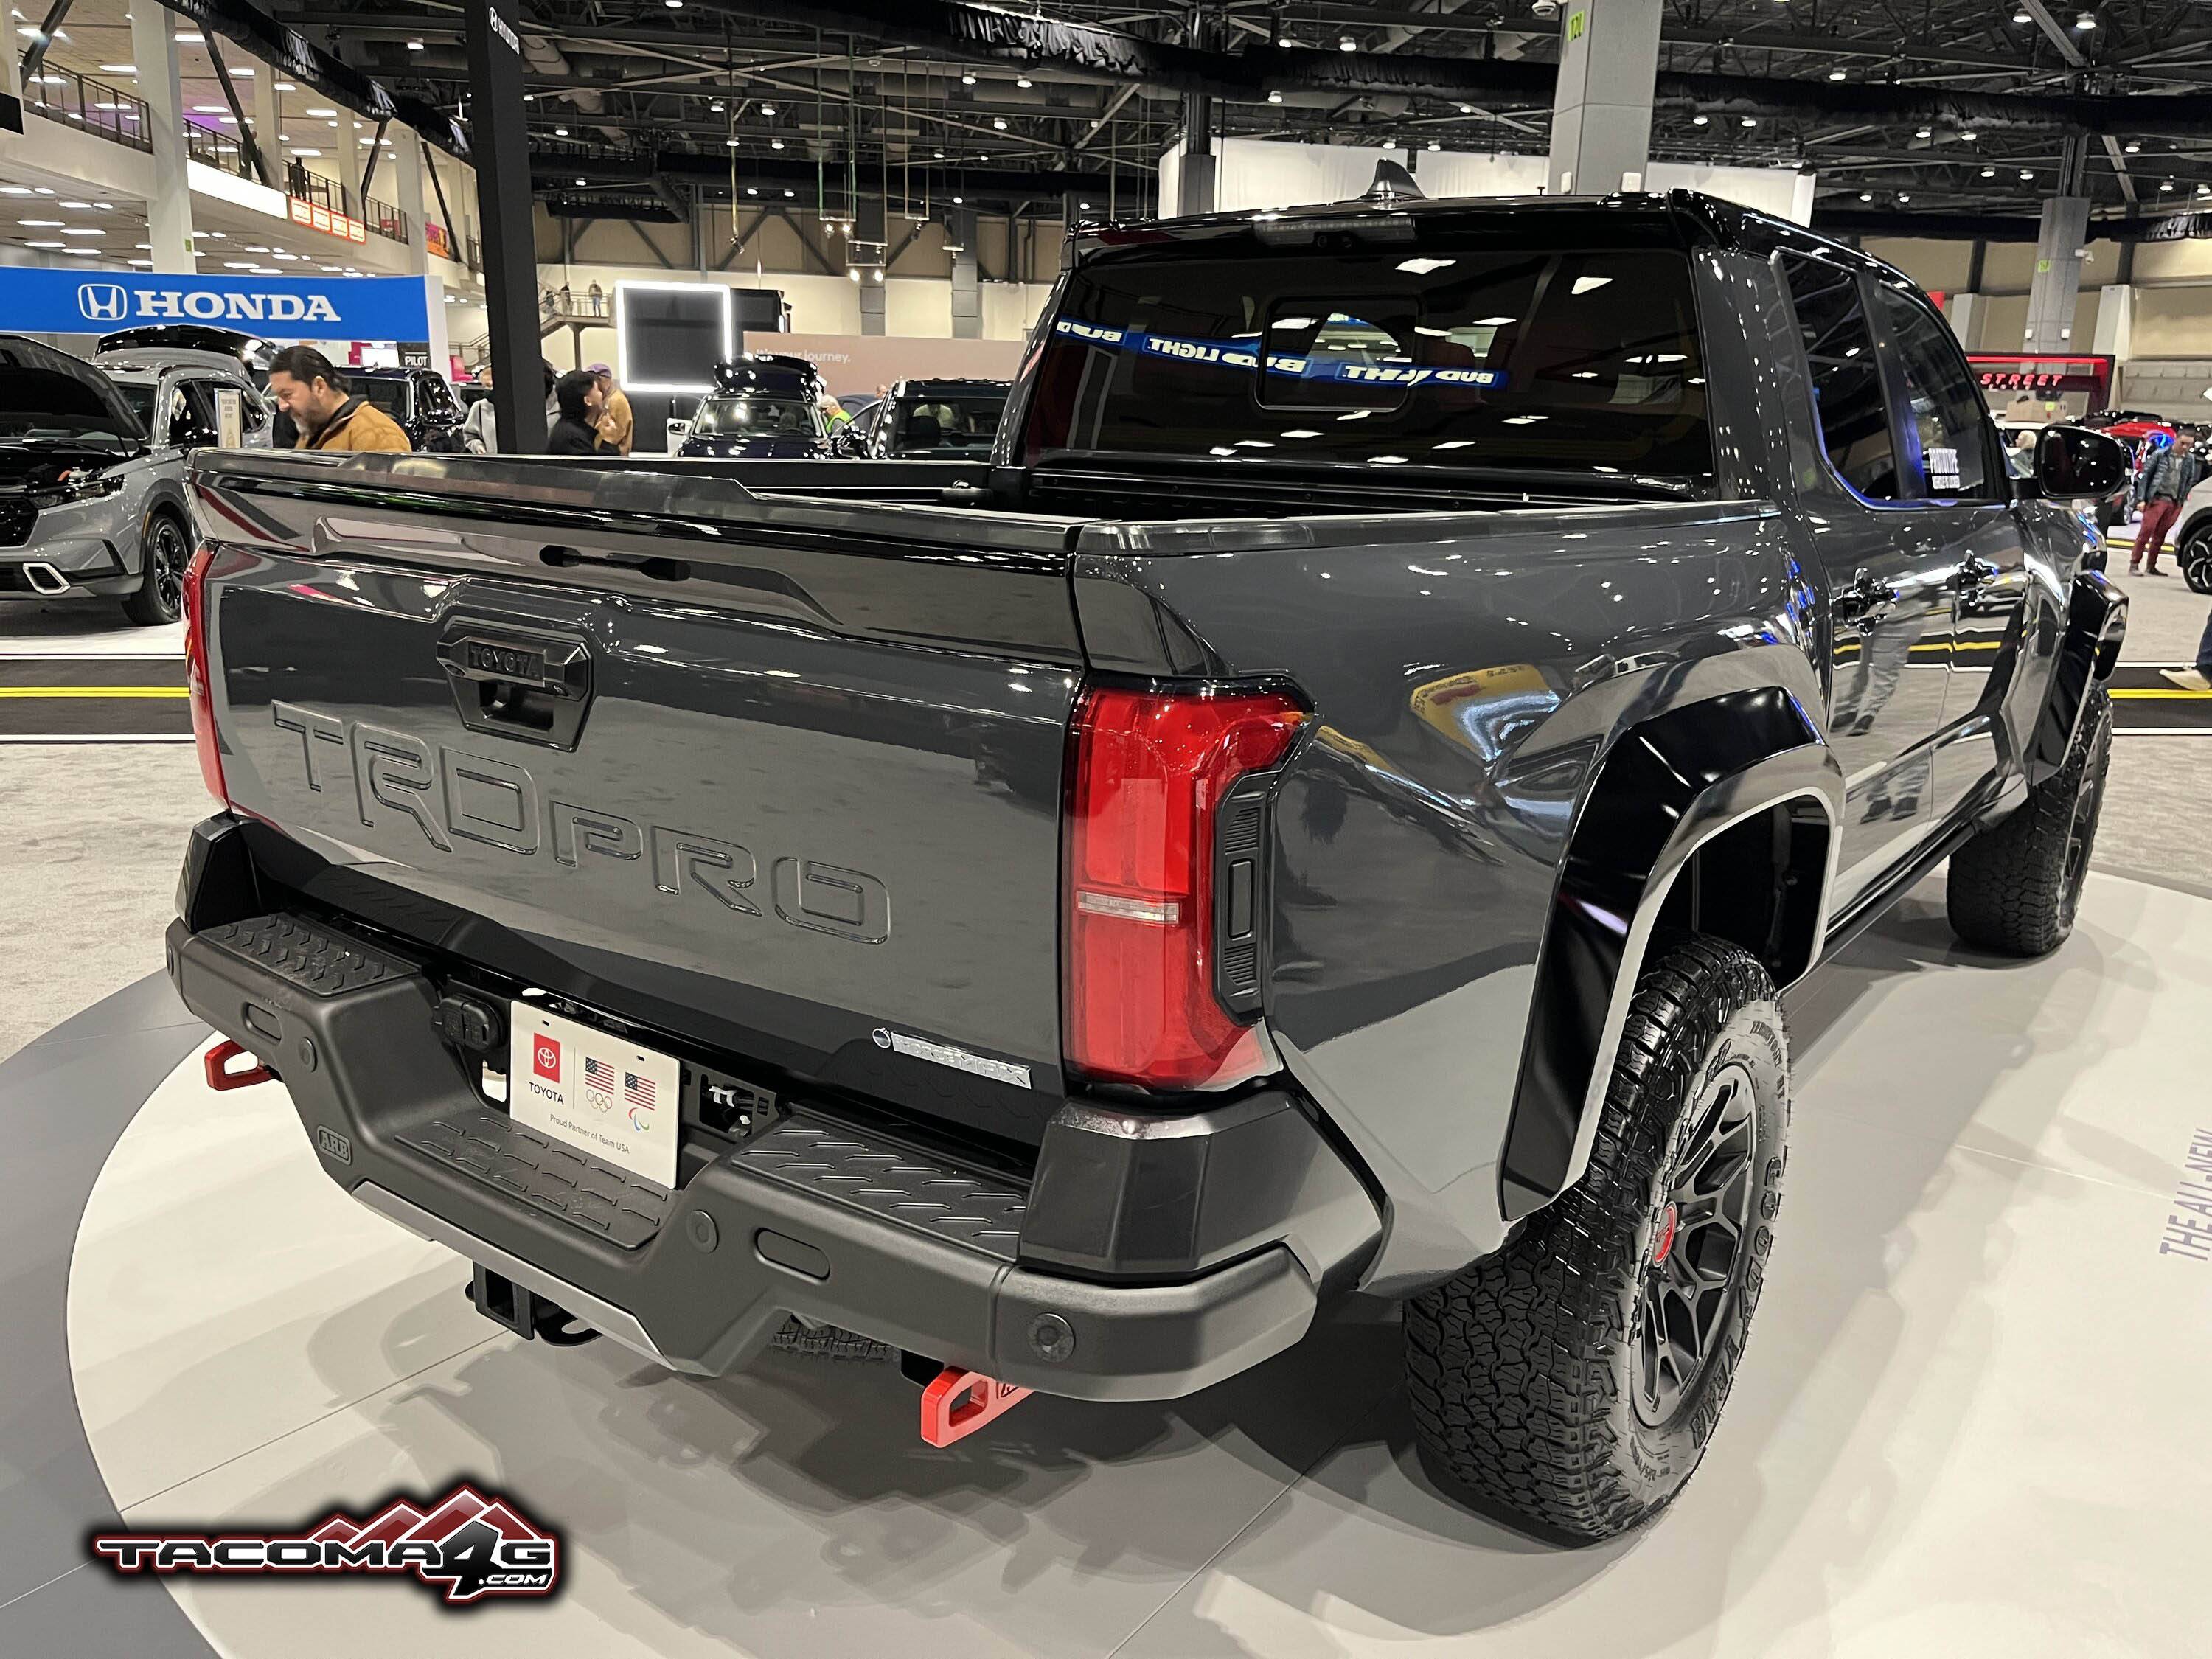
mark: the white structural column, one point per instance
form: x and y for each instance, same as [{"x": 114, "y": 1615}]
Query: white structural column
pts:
[
  {"x": 1602, "y": 110},
  {"x": 350, "y": 151},
  {"x": 1966, "y": 313},
  {"x": 404, "y": 158},
  {"x": 2116, "y": 322},
  {"x": 268, "y": 118},
  {"x": 169, "y": 209},
  {"x": 2052, "y": 291}
]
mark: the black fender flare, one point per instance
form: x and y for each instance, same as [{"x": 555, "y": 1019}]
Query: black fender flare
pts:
[
  {"x": 1665, "y": 788},
  {"x": 2096, "y": 624}
]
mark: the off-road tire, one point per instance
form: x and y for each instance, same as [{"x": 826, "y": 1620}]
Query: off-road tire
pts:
[
  {"x": 2015, "y": 886},
  {"x": 1525, "y": 1373},
  {"x": 160, "y": 595}
]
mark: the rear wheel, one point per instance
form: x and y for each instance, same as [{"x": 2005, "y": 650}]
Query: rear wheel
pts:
[
  {"x": 2197, "y": 561},
  {"x": 161, "y": 595},
  {"x": 2015, "y": 888},
  {"x": 1576, "y": 1378}
]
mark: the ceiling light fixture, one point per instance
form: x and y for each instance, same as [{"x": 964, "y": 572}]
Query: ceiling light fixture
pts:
[
  {"x": 1274, "y": 97},
  {"x": 2085, "y": 21},
  {"x": 1347, "y": 44},
  {"x": 1700, "y": 120},
  {"x": 768, "y": 109}
]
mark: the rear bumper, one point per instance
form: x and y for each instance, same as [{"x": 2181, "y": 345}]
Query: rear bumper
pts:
[{"x": 1148, "y": 1258}]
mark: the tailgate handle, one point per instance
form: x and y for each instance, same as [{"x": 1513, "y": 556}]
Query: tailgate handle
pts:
[
  {"x": 533, "y": 687},
  {"x": 561, "y": 667}
]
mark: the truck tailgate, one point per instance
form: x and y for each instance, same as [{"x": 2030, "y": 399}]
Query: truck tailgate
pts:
[{"x": 738, "y": 799}]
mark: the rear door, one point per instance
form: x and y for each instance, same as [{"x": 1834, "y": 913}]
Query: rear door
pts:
[
  {"x": 1953, "y": 465},
  {"x": 1889, "y": 635}
]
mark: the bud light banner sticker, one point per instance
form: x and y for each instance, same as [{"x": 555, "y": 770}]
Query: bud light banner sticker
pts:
[
  {"x": 1240, "y": 354},
  {"x": 34, "y": 301}
]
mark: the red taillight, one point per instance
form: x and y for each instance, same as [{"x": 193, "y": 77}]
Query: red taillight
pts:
[
  {"x": 1151, "y": 769},
  {"x": 196, "y": 673}
]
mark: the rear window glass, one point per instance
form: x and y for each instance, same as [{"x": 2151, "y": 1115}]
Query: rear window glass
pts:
[
  {"x": 389, "y": 395},
  {"x": 1470, "y": 360},
  {"x": 946, "y": 424}
]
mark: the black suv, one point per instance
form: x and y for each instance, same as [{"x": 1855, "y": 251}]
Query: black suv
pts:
[{"x": 419, "y": 399}]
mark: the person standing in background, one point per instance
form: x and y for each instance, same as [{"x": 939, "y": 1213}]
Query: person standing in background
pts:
[
  {"x": 618, "y": 426},
  {"x": 2167, "y": 478},
  {"x": 480, "y": 428},
  {"x": 577, "y": 431},
  {"x": 310, "y": 390}
]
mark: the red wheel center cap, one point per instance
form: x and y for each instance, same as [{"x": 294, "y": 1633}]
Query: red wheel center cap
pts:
[{"x": 1666, "y": 1241}]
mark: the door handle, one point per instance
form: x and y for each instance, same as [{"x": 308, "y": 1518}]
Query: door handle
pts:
[
  {"x": 1976, "y": 573},
  {"x": 1863, "y": 602}
]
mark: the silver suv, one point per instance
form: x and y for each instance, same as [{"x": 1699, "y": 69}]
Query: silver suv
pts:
[{"x": 92, "y": 468}]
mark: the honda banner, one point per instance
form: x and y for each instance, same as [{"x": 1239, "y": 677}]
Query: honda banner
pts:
[{"x": 41, "y": 301}]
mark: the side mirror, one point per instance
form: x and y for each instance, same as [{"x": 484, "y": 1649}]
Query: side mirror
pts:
[{"x": 2072, "y": 461}]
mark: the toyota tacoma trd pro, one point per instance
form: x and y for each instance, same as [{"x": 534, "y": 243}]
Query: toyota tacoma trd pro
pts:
[{"x": 1327, "y": 808}]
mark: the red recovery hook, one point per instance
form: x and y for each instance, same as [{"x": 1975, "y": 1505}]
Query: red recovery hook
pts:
[
  {"x": 957, "y": 1403},
  {"x": 220, "y": 1077}
]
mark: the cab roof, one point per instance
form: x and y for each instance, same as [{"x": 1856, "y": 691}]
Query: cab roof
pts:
[{"x": 1681, "y": 218}]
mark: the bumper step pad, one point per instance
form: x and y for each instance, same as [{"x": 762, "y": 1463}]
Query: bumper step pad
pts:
[
  {"x": 982, "y": 1211},
  {"x": 595, "y": 1197},
  {"x": 319, "y": 961}
]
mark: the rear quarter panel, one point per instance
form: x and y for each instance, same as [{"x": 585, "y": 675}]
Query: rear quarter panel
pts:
[{"x": 1467, "y": 673}]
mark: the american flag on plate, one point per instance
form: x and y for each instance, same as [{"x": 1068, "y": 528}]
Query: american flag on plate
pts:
[
  {"x": 638, "y": 1090},
  {"x": 597, "y": 1074}
]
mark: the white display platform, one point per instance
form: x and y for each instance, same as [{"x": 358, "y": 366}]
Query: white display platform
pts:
[{"x": 1971, "y": 1420}]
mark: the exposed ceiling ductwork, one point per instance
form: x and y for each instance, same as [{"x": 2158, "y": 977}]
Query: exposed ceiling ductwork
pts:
[{"x": 986, "y": 34}]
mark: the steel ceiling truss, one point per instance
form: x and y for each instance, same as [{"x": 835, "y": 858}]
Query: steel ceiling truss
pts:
[{"x": 1943, "y": 104}]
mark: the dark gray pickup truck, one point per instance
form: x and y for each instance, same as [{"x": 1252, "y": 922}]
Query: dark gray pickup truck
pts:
[{"x": 1326, "y": 809}]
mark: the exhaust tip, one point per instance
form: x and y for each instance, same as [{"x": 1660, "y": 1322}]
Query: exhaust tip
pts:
[{"x": 45, "y": 579}]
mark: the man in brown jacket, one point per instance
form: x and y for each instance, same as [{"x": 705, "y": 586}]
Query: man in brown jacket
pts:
[
  {"x": 308, "y": 389},
  {"x": 617, "y": 424}
]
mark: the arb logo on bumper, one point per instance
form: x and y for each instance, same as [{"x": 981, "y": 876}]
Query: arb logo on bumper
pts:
[{"x": 466, "y": 1545}]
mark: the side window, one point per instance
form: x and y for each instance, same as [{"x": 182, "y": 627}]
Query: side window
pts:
[
  {"x": 190, "y": 420},
  {"x": 437, "y": 401},
  {"x": 1846, "y": 380},
  {"x": 1949, "y": 423},
  {"x": 255, "y": 412}
]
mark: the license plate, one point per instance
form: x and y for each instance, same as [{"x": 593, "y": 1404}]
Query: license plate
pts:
[{"x": 592, "y": 1090}]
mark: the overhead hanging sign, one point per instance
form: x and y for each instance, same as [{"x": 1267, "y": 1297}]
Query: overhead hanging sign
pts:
[{"x": 42, "y": 301}]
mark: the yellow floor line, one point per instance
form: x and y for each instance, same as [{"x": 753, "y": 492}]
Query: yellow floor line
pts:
[
  {"x": 93, "y": 691},
  {"x": 2151, "y": 694}
]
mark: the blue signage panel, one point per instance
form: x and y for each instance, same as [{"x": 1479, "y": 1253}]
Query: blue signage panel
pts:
[{"x": 38, "y": 300}]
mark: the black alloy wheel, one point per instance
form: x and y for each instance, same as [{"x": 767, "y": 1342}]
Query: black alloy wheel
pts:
[
  {"x": 169, "y": 556},
  {"x": 1699, "y": 1251},
  {"x": 161, "y": 594}
]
